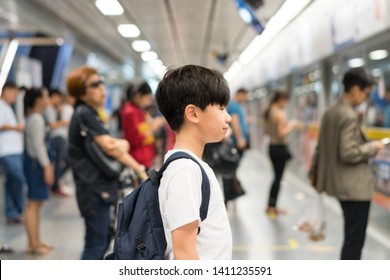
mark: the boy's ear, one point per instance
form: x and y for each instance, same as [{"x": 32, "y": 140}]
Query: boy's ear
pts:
[{"x": 191, "y": 113}]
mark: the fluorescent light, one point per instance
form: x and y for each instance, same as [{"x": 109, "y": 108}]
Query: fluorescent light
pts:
[
  {"x": 141, "y": 45},
  {"x": 129, "y": 30},
  {"x": 245, "y": 15},
  {"x": 233, "y": 71},
  {"x": 288, "y": 12},
  {"x": 378, "y": 54},
  {"x": 356, "y": 62},
  {"x": 160, "y": 71},
  {"x": 109, "y": 7},
  {"x": 149, "y": 56},
  {"x": 8, "y": 60},
  {"x": 155, "y": 63}
]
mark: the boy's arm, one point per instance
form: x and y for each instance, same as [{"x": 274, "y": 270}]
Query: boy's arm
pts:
[{"x": 184, "y": 242}]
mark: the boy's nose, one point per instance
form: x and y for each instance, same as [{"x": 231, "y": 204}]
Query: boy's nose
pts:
[{"x": 228, "y": 118}]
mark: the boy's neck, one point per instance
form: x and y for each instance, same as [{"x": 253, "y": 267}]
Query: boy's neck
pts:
[{"x": 188, "y": 142}]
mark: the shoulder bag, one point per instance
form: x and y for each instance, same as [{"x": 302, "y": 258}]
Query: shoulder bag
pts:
[{"x": 109, "y": 166}]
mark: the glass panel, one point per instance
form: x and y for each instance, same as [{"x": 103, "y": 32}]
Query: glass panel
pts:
[{"x": 378, "y": 106}]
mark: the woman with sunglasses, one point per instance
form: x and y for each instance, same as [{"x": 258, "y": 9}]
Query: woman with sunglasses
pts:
[{"x": 95, "y": 191}]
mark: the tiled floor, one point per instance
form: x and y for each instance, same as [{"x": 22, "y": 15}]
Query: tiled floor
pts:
[{"x": 255, "y": 235}]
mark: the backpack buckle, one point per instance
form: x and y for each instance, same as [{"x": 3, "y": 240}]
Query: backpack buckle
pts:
[
  {"x": 141, "y": 246},
  {"x": 154, "y": 177}
]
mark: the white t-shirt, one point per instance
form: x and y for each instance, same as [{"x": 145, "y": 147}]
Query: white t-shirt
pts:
[
  {"x": 180, "y": 197},
  {"x": 66, "y": 115},
  {"x": 11, "y": 141}
]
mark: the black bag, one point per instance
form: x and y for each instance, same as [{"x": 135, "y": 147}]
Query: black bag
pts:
[
  {"x": 140, "y": 232},
  {"x": 109, "y": 166},
  {"x": 223, "y": 157},
  {"x": 232, "y": 188}
]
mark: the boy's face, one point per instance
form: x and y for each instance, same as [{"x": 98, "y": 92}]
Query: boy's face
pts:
[{"x": 215, "y": 123}]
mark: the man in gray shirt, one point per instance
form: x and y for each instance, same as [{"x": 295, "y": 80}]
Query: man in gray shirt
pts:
[{"x": 11, "y": 149}]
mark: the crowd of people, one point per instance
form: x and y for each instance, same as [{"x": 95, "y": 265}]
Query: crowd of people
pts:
[{"x": 194, "y": 108}]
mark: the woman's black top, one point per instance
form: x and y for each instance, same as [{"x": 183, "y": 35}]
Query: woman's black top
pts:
[{"x": 91, "y": 183}]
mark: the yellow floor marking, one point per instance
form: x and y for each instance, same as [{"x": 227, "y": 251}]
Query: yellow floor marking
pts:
[{"x": 293, "y": 244}]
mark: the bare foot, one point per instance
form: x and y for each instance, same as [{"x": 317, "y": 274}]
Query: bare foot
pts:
[{"x": 39, "y": 250}]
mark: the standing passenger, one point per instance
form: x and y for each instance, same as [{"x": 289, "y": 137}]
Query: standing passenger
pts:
[
  {"x": 137, "y": 124},
  {"x": 193, "y": 100},
  {"x": 58, "y": 118},
  {"x": 94, "y": 190},
  {"x": 37, "y": 166},
  {"x": 11, "y": 149},
  {"x": 341, "y": 166},
  {"x": 240, "y": 138},
  {"x": 277, "y": 127}
]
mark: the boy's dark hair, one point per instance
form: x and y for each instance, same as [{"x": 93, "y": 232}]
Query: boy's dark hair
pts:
[
  {"x": 357, "y": 77},
  {"x": 142, "y": 88},
  {"x": 189, "y": 84}
]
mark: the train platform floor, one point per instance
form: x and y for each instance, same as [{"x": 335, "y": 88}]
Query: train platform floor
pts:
[{"x": 255, "y": 235}]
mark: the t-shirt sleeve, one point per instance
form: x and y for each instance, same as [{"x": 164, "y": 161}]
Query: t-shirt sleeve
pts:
[
  {"x": 184, "y": 194},
  {"x": 93, "y": 122},
  {"x": 50, "y": 114},
  {"x": 233, "y": 108},
  {"x": 37, "y": 138}
]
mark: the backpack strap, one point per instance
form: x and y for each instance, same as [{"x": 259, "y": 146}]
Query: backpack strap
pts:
[{"x": 156, "y": 177}]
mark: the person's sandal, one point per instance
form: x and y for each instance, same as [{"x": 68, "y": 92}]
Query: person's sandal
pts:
[{"x": 271, "y": 212}]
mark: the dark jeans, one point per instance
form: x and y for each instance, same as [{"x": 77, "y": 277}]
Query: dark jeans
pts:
[
  {"x": 355, "y": 225},
  {"x": 14, "y": 185},
  {"x": 279, "y": 156},
  {"x": 97, "y": 237},
  {"x": 59, "y": 151}
]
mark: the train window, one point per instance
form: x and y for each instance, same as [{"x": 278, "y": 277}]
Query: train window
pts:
[
  {"x": 378, "y": 106},
  {"x": 335, "y": 86},
  {"x": 308, "y": 102},
  {"x": 307, "y": 89}
]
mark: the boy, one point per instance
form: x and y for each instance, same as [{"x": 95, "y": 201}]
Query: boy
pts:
[{"x": 193, "y": 100}]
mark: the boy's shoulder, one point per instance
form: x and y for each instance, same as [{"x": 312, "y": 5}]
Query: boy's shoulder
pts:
[
  {"x": 185, "y": 167},
  {"x": 182, "y": 163}
]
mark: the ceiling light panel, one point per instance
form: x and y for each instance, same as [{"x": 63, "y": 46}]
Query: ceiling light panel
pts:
[
  {"x": 109, "y": 7},
  {"x": 378, "y": 54},
  {"x": 356, "y": 62},
  {"x": 141, "y": 46},
  {"x": 149, "y": 56},
  {"x": 129, "y": 30}
]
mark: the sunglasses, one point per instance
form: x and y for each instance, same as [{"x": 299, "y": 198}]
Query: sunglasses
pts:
[{"x": 95, "y": 84}]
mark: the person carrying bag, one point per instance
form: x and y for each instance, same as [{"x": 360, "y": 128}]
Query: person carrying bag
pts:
[{"x": 96, "y": 192}]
